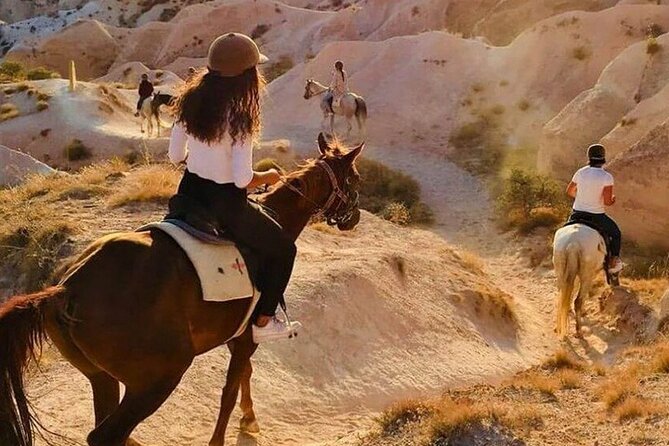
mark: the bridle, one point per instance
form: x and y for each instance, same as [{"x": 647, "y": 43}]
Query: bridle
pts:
[
  {"x": 312, "y": 94},
  {"x": 341, "y": 205}
]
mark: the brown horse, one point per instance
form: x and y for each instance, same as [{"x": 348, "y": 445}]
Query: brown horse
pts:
[{"x": 133, "y": 313}]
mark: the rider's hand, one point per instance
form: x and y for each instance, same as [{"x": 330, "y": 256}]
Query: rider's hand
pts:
[{"x": 271, "y": 177}]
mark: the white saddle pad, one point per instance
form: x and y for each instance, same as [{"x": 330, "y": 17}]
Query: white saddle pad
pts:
[{"x": 220, "y": 267}]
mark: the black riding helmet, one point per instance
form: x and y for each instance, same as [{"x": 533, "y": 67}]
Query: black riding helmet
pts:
[{"x": 597, "y": 154}]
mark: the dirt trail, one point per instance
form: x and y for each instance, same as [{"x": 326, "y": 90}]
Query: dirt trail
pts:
[
  {"x": 360, "y": 352},
  {"x": 464, "y": 214}
]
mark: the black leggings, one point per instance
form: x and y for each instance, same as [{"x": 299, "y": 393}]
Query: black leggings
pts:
[
  {"x": 248, "y": 225},
  {"x": 607, "y": 224},
  {"x": 141, "y": 101}
]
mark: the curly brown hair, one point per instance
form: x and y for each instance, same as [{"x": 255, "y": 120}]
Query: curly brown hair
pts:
[{"x": 210, "y": 106}]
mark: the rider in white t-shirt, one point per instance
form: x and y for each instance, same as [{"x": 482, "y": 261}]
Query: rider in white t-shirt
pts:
[{"x": 592, "y": 190}]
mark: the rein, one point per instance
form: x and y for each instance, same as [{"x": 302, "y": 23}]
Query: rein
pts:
[
  {"x": 337, "y": 192},
  {"x": 312, "y": 94}
]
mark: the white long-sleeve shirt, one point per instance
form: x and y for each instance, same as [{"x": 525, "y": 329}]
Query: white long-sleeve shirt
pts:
[{"x": 222, "y": 162}]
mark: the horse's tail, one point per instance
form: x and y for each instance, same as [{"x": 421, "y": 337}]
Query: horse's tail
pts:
[
  {"x": 21, "y": 334},
  {"x": 566, "y": 269},
  {"x": 361, "y": 109}
]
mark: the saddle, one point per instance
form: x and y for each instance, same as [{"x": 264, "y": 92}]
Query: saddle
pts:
[{"x": 611, "y": 279}]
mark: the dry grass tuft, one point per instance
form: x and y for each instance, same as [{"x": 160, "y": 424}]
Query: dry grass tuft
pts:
[
  {"x": 8, "y": 111},
  {"x": 525, "y": 417},
  {"x": 30, "y": 239},
  {"x": 398, "y": 415},
  {"x": 637, "y": 407},
  {"x": 562, "y": 359},
  {"x": 155, "y": 183},
  {"x": 456, "y": 417},
  {"x": 534, "y": 381},
  {"x": 618, "y": 388},
  {"x": 660, "y": 363},
  {"x": 569, "y": 379}
]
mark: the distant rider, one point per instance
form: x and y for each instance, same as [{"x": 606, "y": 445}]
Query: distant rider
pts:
[
  {"x": 145, "y": 91},
  {"x": 592, "y": 188},
  {"x": 217, "y": 122},
  {"x": 338, "y": 84}
]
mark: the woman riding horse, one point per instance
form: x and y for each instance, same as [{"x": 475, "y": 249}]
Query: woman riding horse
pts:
[{"x": 218, "y": 118}]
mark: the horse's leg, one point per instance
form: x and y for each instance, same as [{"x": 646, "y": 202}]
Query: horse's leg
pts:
[
  {"x": 566, "y": 276},
  {"x": 248, "y": 423},
  {"x": 362, "y": 131},
  {"x": 141, "y": 125},
  {"x": 242, "y": 349},
  {"x": 139, "y": 402},
  {"x": 106, "y": 393},
  {"x": 350, "y": 126},
  {"x": 583, "y": 292},
  {"x": 332, "y": 124}
]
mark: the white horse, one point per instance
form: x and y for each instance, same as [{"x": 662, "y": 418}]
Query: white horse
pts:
[
  {"x": 350, "y": 106},
  {"x": 151, "y": 110},
  {"x": 579, "y": 251}
]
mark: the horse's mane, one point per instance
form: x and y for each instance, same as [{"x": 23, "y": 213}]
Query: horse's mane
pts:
[{"x": 305, "y": 168}]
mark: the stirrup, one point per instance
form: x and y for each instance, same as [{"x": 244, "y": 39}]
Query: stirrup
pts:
[{"x": 293, "y": 333}]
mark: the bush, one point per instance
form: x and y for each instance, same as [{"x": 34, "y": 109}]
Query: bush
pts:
[
  {"x": 480, "y": 145},
  {"x": 397, "y": 213},
  {"x": 529, "y": 201},
  {"x": 580, "y": 53},
  {"x": 381, "y": 186},
  {"x": 43, "y": 97},
  {"x": 259, "y": 31},
  {"x": 42, "y": 105},
  {"x": 266, "y": 164},
  {"x": 278, "y": 69},
  {"x": 11, "y": 72},
  {"x": 8, "y": 111},
  {"x": 41, "y": 73},
  {"x": 652, "y": 46},
  {"x": 77, "y": 151}
]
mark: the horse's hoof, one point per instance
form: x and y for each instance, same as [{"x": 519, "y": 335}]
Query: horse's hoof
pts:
[{"x": 249, "y": 426}]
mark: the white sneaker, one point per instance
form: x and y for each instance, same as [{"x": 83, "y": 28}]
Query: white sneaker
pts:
[
  {"x": 275, "y": 330},
  {"x": 617, "y": 266}
]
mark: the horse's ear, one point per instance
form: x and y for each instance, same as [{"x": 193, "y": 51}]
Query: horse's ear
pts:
[
  {"x": 323, "y": 146},
  {"x": 354, "y": 154}
]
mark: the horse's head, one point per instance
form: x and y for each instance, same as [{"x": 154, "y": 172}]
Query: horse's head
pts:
[
  {"x": 341, "y": 207},
  {"x": 308, "y": 93}
]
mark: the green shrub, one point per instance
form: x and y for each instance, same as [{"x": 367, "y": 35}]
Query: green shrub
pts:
[
  {"x": 42, "y": 105},
  {"x": 382, "y": 187},
  {"x": 529, "y": 201},
  {"x": 266, "y": 164},
  {"x": 77, "y": 151},
  {"x": 11, "y": 72},
  {"x": 479, "y": 145},
  {"x": 22, "y": 87},
  {"x": 41, "y": 73},
  {"x": 43, "y": 97},
  {"x": 652, "y": 46},
  {"x": 524, "y": 105},
  {"x": 580, "y": 53},
  {"x": 278, "y": 69}
]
